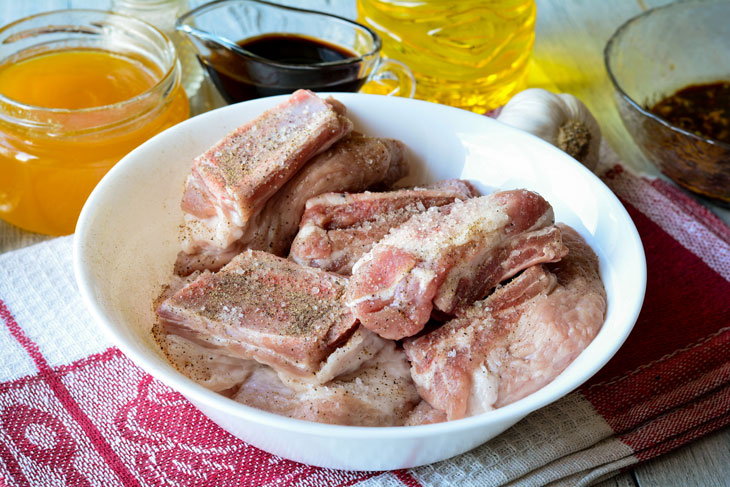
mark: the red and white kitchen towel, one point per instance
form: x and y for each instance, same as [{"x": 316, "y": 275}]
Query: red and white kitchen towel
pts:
[{"x": 75, "y": 411}]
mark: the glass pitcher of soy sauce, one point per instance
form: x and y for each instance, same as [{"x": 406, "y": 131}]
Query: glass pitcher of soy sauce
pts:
[{"x": 253, "y": 49}]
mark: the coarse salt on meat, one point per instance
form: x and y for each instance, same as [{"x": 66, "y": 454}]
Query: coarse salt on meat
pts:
[
  {"x": 448, "y": 257},
  {"x": 339, "y": 228}
]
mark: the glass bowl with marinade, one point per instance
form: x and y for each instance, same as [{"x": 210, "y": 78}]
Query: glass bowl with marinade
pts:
[{"x": 670, "y": 67}]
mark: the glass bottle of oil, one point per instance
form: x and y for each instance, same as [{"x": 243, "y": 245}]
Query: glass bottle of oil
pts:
[{"x": 471, "y": 54}]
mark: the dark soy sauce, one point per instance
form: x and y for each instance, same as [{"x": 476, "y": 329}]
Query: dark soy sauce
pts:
[
  {"x": 282, "y": 63},
  {"x": 295, "y": 49}
]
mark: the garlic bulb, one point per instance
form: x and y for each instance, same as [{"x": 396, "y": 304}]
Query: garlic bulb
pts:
[{"x": 561, "y": 119}]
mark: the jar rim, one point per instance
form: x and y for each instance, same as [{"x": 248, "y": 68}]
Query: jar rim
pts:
[{"x": 169, "y": 69}]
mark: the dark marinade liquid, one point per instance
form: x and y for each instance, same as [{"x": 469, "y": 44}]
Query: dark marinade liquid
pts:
[
  {"x": 242, "y": 78},
  {"x": 701, "y": 109},
  {"x": 295, "y": 49}
]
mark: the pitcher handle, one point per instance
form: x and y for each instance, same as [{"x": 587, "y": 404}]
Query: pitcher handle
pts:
[{"x": 392, "y": 78}]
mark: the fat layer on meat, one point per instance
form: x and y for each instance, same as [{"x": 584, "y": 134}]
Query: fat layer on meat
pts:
[
  {"x": 339, "y": 228},
  {"x": 515, "y": 341},
  {"x": 230, "y": 182},
  {"x": 448, "y": 257},
  {"x": 266, "y": 308},
  {"x": 379, "y": 393}
]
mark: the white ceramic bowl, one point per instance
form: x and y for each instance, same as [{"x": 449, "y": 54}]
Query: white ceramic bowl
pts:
[{"x": 127, "y": 239}]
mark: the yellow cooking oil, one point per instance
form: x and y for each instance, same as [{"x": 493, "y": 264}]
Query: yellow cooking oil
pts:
[
  {"x": 49, "y": 166},
  {"x": 471, "y": 54}
]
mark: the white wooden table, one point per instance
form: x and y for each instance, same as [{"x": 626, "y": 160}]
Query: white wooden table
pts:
[{"x": 568, "y": 56}]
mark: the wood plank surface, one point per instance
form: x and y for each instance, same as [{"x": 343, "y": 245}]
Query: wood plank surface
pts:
[
  {"x": 568, "y": 56},
  {"x": 706, "y": 462},
  {"x": 12, "y": 237}
]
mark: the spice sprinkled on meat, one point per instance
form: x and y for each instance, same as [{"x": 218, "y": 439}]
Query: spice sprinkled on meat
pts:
[{"x": 263, "y": 307}]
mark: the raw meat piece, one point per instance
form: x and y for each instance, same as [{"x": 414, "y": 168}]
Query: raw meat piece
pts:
[
  {"x": 266, "y": 308},
  {"x": 380, "y": 393},
  {"x": 232, "y": 181},
  {"x": 339, "y": 228},
  {"x": 515, "y": 341},
  {"x": 448, "y": 257},
  {"x": 353, "y": 164},
  {"x": 448, "y": 362}
]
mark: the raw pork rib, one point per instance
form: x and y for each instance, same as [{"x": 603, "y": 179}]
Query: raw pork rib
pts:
[
  {"x": 515, "y": 341},
  {"x": 232, "y": 181},
  {"x": 448, "y": 257},
  {"x": 339, "y": 228},
  {"x": 266, "y": 308},
  {"x": 353, "y": 164},
  {"x": 380, "y": 393}
]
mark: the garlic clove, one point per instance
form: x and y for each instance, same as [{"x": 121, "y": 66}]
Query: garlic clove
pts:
[{"x": 561, "y": 119}]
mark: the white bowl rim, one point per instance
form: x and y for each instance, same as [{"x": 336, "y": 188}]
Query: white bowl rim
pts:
[{"x": 198, "y": 393}]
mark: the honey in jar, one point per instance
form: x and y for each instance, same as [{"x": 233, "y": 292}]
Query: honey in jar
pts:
[
  {"x": 466, "y": 53},
  {"x": 75, "y": 79},
  {"x": 68, "y": 115}
]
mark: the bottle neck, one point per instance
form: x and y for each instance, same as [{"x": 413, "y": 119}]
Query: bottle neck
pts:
[
  {"x": 160, "y": 13},
  {"x": 148, "y": 4}
]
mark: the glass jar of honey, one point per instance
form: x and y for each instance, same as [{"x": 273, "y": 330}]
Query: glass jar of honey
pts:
[{"x": 79, "y": 89}]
